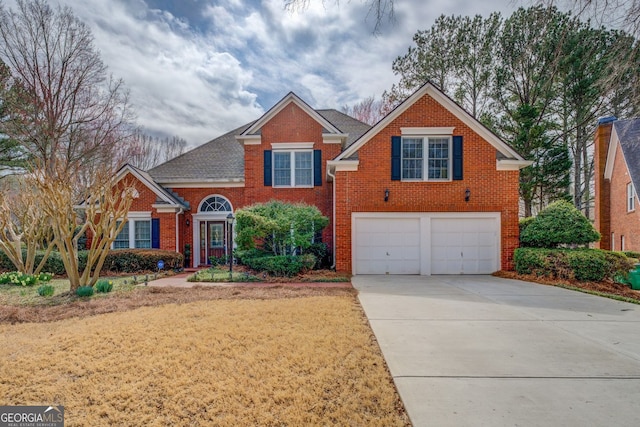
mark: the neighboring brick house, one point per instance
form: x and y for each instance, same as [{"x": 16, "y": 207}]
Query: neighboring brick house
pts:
[
  {"x": 617, "y": 175},
  {"x": 427, "y": 190}
]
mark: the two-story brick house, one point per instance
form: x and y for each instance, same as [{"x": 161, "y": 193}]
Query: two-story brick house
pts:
[
  {"x": 617, "y": 175},
  {"x": 427, "y": 190}
]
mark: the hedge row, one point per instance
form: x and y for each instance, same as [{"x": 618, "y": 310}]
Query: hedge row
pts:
[
  {"x": 117, "y": 261},
  {"x": 276, "y": 265},
  {"x": 580, "y": 264}
]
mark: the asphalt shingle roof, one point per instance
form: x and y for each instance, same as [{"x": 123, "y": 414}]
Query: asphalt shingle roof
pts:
[
  {"x": 222, "y": 159},
  {"x": 629, "y": 136}
]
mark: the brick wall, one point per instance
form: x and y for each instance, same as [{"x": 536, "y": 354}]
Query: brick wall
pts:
[
  {"x": 363, "y": 191},
  {"x": 623, "y": 223}
]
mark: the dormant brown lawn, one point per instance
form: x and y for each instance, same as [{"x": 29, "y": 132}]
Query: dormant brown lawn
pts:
[{"x": 301, "y": 361}]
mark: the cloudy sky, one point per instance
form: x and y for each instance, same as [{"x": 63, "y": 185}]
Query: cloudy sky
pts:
[{"x": 199, "y": 68}]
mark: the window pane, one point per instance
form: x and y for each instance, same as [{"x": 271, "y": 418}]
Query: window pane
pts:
[
  {"x": 412, "y": 158},
  {"x": 438, "y": 158},
  {"x": 304, "y": 165},
  {"x": 282, "y": 169},
  {"x": 122, "y": 239},
  {"x": 142, "y": 234}
]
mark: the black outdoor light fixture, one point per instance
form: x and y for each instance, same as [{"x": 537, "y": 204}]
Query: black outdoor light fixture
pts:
[
  {"x": 230, "y": 219},
  {"x": 467, "y": 195},
  {"x": 188, "y": 222},
  {"x": 386, "y": 195}
]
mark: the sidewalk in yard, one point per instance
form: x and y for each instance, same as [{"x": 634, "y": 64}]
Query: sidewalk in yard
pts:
[{"x": 180, "y": 281}]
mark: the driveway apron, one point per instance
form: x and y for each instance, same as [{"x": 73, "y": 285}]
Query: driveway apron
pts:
[{"x": 485, "y": 351}]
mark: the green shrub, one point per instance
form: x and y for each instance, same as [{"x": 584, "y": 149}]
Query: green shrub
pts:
[
  {"x": 632, "y": 254},
  {"x": 104, "y": 286},
  {"x": 524, "y": 223},
  {"x": 588, "y": 265},
  {"x": 138, "y": 260},
  {"x": 46, "y": 290},
  {"x": 530, "y": 261},
  {"x": 84, "y": 291},
  {"x": 321, "y": 252},
  {"x": 282, "y": 265},
  {"x": 580, "y": 264},
  {"x": 559, "y": 224}
]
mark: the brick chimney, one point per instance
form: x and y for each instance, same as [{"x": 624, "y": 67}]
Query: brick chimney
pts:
[{"x": 602, "y": 186}]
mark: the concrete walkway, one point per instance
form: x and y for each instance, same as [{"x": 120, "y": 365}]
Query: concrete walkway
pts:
[{"x": 484, "y": 351}]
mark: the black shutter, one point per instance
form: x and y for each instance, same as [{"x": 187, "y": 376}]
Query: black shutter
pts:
[
  {"x": 396, "y": 151},
  {"x": 155, "y": 233},
  {"x": 317, "y": 168},
  {"x": 457, "y": 158},
  {"x": 267, "y": 168}
]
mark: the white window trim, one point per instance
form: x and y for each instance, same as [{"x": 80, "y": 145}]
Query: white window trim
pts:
[
  {"x": 631, "y": 197},
  {"x": 622, "y": 243},
  {"x": 425, "y": 158},
  {"x": 133, "y": 217},
  {"x": 292, "y": 165}
]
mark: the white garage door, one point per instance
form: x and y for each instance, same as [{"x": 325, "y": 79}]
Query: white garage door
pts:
[
  {"x": 464, "y": 245},
  {"x": 387, "y": 246}
]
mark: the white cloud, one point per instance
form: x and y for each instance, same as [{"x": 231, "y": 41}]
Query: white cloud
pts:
[{"x": 198, "y": 69}]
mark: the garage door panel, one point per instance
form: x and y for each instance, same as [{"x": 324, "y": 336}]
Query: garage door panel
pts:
[
  {"x": 387, "y": 245},
  {"x": 464, "y": 245}
]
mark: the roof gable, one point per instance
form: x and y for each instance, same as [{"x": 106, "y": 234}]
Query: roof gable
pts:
[
  {"x": 281, "y": 105},
  {"x": 625, "y": 133},
  {"x": 506, "y": 152},
  {"x": 164, "y": 196}
]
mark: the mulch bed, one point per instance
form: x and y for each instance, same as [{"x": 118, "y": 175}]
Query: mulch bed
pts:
[{"x": 605, "y": 287}]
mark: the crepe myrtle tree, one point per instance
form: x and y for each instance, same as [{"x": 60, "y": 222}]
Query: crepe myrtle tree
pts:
[
  {"x": 278, "y": 228},
  {"x": 24, "y": 229},
  {"x": 105, "y": 205}
]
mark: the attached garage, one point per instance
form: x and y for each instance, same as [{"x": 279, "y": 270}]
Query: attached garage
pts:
[{"x": 426, "y": 243}]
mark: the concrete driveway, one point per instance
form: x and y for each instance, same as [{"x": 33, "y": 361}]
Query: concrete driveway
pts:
[{"x": 484, "y": 351}]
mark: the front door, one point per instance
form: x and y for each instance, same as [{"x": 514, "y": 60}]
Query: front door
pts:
[{"x": 213, "y": 240}]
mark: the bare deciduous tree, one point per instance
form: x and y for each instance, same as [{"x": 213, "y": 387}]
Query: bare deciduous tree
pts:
[
  {"x": 145, "y": 151},
  {"x": 72, "y": 120},
  {"x": 69, "y": 112},
  {"x": 106, "y": 204},
  {"x": 23, "y": 224},
  {"x": 368, "y": 110}
]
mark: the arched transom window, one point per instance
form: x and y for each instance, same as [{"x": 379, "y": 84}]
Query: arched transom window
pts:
[{"x": 216, "y": 204}]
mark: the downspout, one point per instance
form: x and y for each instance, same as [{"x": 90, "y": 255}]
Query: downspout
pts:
[
  {"x": 180, "y": 212},
  {"x": 333, "y": 222}
]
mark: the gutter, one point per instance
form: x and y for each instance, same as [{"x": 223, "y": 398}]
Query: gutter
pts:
[
  {"x": 180, "y": 212},
  {"x": 333, "y": 222}
]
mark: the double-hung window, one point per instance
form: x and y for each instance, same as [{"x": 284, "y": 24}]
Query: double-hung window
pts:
[
  {"x": 631, "y": 197},
  {"x": 136, "y": 233},
  {"x": 426, "y": 158},
  {"x": 293, "y": 168}
]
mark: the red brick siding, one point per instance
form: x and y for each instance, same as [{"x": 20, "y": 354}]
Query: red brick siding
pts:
[
  {"x": 602, "y": 209},
  {"x": 363, "y": 191},
  {"x": 623, "y": 223},
  {"x": 292, "y": 124}
]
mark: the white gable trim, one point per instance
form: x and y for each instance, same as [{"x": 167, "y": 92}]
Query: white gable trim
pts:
[
  {"x": 512, "y": 165},
  {"x": 611, "y": 153},
  {"x": 292, "y": 145},
  {"x": 148, "y": 183},
  {"x": 446, "y": 102},
  {"x": 249, "y": 139},
  {"x": 290, "y": 98},
  {"x": 427, "y": 131}
]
